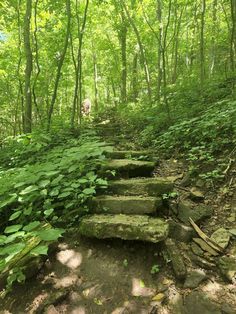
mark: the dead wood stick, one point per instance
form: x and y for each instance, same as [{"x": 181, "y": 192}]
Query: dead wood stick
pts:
[{"x": 205, "y": 238}]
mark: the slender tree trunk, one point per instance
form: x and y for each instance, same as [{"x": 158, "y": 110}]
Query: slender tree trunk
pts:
[
  {"x": 28, "y": 69},
  {"x": 95, "y": 78},
  {"x": 38, "y": 70},
  {"x": 135, "y": 77},
  {"x": 233, "y": 35},
  {"x": 123, "y": 37},
  {"x": 159, "y": 57},
  {"x": 77, "y": 100},
  {"x": 213, "y": 38},
  {"x": 60, "y": 64},
  {"x": 164, "y": 50},
  {"x": 142, "y": 52},
  {"x": 176, "y": 45},
  {"x": 21, "y": 88},
  {"x": 202, "y": 45}
]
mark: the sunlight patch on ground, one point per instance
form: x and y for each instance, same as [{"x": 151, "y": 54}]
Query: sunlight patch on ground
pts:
[
  {"x": 70, "y": 258},
  {"x": 212, "y": 287},
  {"x": 139, "y": 289},
  {"x": 66, "y": 281},
  {"x": 78, "y": 310}
]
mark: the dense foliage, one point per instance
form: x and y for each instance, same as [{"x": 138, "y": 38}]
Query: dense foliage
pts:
[
  {"x": 168, "y": 54},
  {"x": 54, "y": 189}
]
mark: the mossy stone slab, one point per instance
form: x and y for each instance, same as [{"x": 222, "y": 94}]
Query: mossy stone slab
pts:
[
  {"x": 130, "y": 168},
  {"x": 130, "y": 205},
  {"x": 135, "y": 227},
  {"x": 122, "y": 154},
  {"x": 147, "y": 186}
]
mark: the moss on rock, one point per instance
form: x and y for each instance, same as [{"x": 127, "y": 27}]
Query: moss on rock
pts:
[
  {"x": 135, "y": 205},
  {"x": 147, "y": 186},
  {"x": 135, "y": 227}
]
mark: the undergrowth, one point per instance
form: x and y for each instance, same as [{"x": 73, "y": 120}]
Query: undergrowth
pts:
[{"x": 53, "y": 189}]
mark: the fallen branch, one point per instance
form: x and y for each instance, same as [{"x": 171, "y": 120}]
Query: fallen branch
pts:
[{"x": 205, "y": 238}]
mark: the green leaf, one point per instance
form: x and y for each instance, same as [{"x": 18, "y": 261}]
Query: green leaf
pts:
[
  {"x": 13, "y": 228},
  {"x": 73, "y": 168},
  {"x": 40, "y": 250},
  {"x": 28, "y": 211},
  {"x": 50, "y": 235},
  {"x": 8, "y": 201},
  {"x": 57, "y": 180},
  {"x": 12, "y": 249},
  {"x": 44, "y": 192},
  {"x": 13, "y": 236},
  {"x": 54, "y": 192},
  {"x": 48, "y": 212},
  {"x": 31, "y": 226},
  {"x": 15, "y": 215},
  {"x": 2, "y": 239},
  {"x": 29, "y": 189},
  {"x": 89, "y": 191},
  {"x": 64, "y": 195},
  {"x": 44, "y": 183},
  {"x": 83, "y": 181}
]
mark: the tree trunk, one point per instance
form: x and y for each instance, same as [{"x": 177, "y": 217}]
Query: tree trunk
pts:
[
  {"x": 38, "y": 70},
  {"x": 142, "y": 52},
  {"x": 123, "y": 36},
  {"x": 213, "y": 38},
  {"x": 28, "y": 69},
  {"x": 233, "y": 35},
  {"x": 159, "y": 58},
  {"x": 202, "y": 45},
  {"x": 95, "y": 77},
  {"x": 60, "y": 64},
  {"x": 135, "y": 77},
  {"x": 164, "y": 61}
]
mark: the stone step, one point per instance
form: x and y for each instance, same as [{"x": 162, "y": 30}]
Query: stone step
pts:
[
  {"x": 123, "y": 154},
  {"x": 135, "y": 227},
  {"x": 146, "y": 186},
  {"x": 129, "y": 205},
  {"x": 130, "y": 168}
]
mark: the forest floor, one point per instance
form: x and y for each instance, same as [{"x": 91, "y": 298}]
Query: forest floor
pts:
[{"x": 86, "y": 276}]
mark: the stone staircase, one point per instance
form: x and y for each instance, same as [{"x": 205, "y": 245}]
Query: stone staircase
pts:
[{"x": 132, "y": 206}]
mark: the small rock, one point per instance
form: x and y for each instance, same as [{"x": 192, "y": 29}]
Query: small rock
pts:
[
  {"x": 221, "y": 237},
  {"x": 205, "y": 247},
  {"x": 201, "y": 262},
  {"x": 194, "y": 278},
  {"x": 176, "y": 304},
  {"x": 232, "y": 218},
  {"x": 176, "y": 259},
  {"x": 196, "y": 249},
  {"x": 197, "y": 213},
  {"x": 196, "y": 195},
  {"x": 180, "y": 232},
  {"x": 51, "y": 310},
  {"x": 227, "y": 266},
  {"x": 227, "y": 309},
  {"x": 233, "y": 232},
  {"x": 198, "y": 302},
  {"x": 186, "y": 180},
  {"x": 200, "y": 183}
]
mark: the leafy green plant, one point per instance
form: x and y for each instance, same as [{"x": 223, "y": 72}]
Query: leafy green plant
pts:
[
  {"x": 155, "y": 269},
  {"x": 170, "y": 195},
  {"x": 125, "y": 263}
]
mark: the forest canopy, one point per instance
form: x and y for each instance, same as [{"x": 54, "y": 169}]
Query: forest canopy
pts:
[{"x": 166, "y": 55}]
